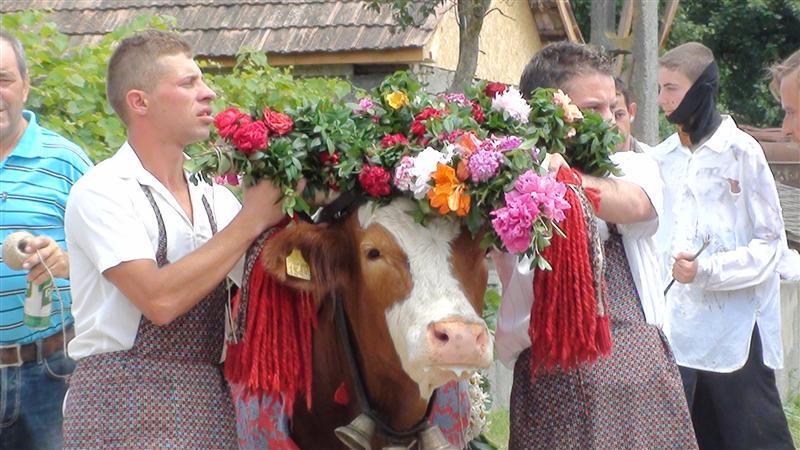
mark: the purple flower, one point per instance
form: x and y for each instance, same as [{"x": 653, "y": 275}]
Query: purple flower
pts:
[
  {"x": 364, "y": 105},
  {"x": 483, "y": 164},
  {"x": 507, "y": 143}
]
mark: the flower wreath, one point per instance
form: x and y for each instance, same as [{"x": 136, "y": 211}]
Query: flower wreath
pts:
[{"x": 474, "y": 156}]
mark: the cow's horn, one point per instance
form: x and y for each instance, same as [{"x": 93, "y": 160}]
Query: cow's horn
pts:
[
  {"x": 357, "y": 435},
  {"x": 432, "y": 438}
]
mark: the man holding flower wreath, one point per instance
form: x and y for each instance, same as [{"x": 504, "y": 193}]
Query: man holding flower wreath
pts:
[
  {"x": 630, "y": 397},
  {"x": 151, "y": 254}
]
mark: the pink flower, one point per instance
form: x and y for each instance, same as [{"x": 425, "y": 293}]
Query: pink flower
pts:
[
  {"x": 364, "y": 105},
  {"x": 532, "y": 195},
  {"x": 546, "y": 192},
  {"x": 229, "y": 178},
  {"x": 513, "y": 223},
  {"x": 403, "y": 176}
]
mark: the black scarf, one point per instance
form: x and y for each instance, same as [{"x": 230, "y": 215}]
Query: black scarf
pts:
[{"x": 697, "y": 114}]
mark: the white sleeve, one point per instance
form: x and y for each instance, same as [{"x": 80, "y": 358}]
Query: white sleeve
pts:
[
  {"x": 103, "y": 223},
  {"x": 641, "y": 170}
]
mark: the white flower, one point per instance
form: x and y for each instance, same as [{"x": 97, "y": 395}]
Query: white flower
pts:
[
  {"x": 479, "y": 403},
  {"x": 511, "y": 101},
  {"x": 424, "y": 165}
]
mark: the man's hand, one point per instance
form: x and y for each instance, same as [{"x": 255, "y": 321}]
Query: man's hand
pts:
[
  {"x": 262, "y": 203},
  {"x": 555, "y": 161},
  {"x": 53, "y": 256},
  {"x": 685, "y": 267}
]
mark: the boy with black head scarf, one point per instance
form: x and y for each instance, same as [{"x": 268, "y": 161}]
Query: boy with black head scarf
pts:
[{"x": 723, "y": 314}]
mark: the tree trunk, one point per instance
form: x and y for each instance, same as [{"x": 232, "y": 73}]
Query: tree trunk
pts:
[
  {"x": 470, "y": 21},
  {"x": 602, "y": 18},
  {"x": 645, "y": 70}
]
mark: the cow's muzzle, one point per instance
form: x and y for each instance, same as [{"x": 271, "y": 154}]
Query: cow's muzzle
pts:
[{"x": 457, "y": 343}]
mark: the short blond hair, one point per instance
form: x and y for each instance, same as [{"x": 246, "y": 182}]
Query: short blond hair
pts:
[
  {"x": 134, "y": 64},
  {"x": 690, "y": 59},
  {"x": 783, "y": 69}
]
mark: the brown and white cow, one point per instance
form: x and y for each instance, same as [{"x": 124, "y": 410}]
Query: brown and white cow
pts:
[{"x": 413, "y": 295}]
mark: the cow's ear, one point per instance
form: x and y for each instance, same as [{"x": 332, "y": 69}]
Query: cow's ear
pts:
[{"x": 324, "y": 249}]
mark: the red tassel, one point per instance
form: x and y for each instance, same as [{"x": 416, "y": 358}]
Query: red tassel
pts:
[
  {"x": 567, "y": 325},
  {"x": 342, "y": 395},
  {"x": 275, "y": 355}
]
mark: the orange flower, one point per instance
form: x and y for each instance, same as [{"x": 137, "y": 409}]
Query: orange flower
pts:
[{"x": 448, "y": 193}]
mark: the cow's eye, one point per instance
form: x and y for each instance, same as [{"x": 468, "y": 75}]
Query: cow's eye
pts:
[{"x": 373, "y": 253}]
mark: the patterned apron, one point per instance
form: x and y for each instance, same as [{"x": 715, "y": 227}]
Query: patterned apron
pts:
[
  {"x": 631, "y": 399},
  {"x": 166, "y": 391}
]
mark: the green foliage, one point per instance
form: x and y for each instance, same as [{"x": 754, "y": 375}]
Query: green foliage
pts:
[
  {"x": 68, "y": 82},
  {"x": 407, "y": 13},
  {"x": 746, "y": 37}
]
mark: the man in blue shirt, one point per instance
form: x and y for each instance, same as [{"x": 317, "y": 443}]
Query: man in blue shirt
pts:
[{"x": 37, "y": 170}]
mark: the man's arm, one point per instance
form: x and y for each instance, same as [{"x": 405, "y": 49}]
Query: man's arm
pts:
[
  {"x": 165, "y": 293},
  {"x": 621, "y": 202}
]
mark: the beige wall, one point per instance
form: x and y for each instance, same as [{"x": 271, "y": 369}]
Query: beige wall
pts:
[{"x": 507, "y": 42}]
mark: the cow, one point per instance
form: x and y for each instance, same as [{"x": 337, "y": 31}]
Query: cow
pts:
[{"x": 413, "y": 296}]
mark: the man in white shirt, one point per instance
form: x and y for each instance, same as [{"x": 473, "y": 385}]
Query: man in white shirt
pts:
[
  {"x": 631, "y": 398},
  {"x": 785, "y": 86},
  {"x": 149, "y": 268},
  {"x": 723, "y": 314}
]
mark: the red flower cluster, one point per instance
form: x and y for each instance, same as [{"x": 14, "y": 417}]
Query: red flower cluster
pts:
[
  {"x": 375, "y": 180},
  {"x": 247, "y": 135},
  {"x": 418, "y": 127},
  {"x": 230, "y": 120},
  {"x": 477, "y": 112},
  {"x": 492, "y": 89},
  {"x": 390, "y": 140},
  {"x": 251, "y": 137}
]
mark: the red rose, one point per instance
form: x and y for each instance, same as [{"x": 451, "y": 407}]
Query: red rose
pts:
[
  {"x": 492, "y": 89},
  {"x": 390, "y": 140},
  {"x": 477, "y": 112},
  {"x": 251, "y": 137},
  {"x": 230, "y": 120},
  {"x": 375, "y": 180},
  {"x": 418, "y": 128},
  {"x": 278, "y": 123},
  {"x": 327, "y": 158}
]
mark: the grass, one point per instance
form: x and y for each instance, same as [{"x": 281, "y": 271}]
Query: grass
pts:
[
  {"x": 792, "y": 410},
  {"x": 498, "y": 428}
]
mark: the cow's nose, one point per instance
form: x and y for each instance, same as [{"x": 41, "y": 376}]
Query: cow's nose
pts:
[{"x": 455, "y": 342}]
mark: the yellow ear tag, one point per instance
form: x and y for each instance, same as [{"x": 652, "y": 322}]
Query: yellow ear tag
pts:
[{"x": 297, "y": 267}]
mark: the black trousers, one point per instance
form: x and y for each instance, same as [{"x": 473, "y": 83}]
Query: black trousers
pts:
[{"x": 737, "y": 410}]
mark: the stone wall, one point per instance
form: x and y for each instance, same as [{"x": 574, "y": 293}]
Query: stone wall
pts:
[{"x": 789, "y": 378}]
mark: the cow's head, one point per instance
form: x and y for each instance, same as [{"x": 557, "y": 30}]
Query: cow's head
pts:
[{"x": 416, "y": 289}]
